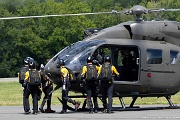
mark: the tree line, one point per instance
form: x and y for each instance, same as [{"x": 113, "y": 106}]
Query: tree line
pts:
[{"x": 42, "y": 38}]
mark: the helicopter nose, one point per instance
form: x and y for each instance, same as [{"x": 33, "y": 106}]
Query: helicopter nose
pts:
[{"x": 50, "y": 68}]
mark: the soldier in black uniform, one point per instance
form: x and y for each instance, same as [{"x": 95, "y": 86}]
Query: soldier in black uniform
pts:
[
  {"x": 97, "y": 58},
  {"x": 90, "y": 73},
  {"x": 106, "y": 83},
  {"x": 64, "y": 73},
  {"x": 21, "y": 76},
  {"x": 47, "y": 87},
  {"x": 33, "y": 82}
]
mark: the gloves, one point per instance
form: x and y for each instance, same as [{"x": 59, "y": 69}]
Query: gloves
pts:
[{"x": 118, "y": 76}]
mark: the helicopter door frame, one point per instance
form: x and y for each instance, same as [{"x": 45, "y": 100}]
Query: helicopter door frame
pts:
[{"x": 128, "y": 73}]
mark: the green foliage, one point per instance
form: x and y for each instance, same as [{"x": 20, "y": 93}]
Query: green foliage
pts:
[{"x": 42, "y": 38}]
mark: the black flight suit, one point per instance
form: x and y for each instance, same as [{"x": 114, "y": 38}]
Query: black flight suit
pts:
[
  {"x": 24, "y": 88},
  {"x": 65, "y": 90},
  {"x": 106, "y": 88},
  {"x": 47, "y": 87},
  {"x": 91, "y": 89},
  {"x": 34, "y": 91}
]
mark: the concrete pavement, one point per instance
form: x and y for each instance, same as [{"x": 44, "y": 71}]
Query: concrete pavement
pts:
[{"x": 16, "y": 113}]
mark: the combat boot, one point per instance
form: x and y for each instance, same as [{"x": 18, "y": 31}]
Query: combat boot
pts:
[{"x": 91, "y": 111}]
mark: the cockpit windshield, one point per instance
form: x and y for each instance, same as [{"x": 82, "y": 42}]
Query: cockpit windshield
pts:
[{"x": 76, "y": 48}]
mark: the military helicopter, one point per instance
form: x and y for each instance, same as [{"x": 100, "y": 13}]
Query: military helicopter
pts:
[{"x": 152, "y": 48}]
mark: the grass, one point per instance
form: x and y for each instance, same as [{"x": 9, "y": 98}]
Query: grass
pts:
[{"x": 11, "y": 95}]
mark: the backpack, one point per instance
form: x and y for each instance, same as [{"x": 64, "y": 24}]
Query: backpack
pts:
[
  {"x": 106, "y": 72},
  {"x": 91, "y": 72},
  {"x": 72, "y": 77},
  {"x": 23, "y": 70},
  {"x": 34, "y": 77}
]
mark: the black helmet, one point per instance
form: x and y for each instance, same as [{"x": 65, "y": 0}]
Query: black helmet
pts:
[
  {"x": 27, "y": 60},
  {"x": 60, "y": 62},
  {"x": 89, "y": 59},
  {"x": 107, "y": 59},
  {"x": 32, "y": 64},
  {"x": 30, "y": 59}
]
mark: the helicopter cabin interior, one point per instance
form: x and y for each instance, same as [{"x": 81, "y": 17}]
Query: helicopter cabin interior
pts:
[{"x": 124, "y": 58}]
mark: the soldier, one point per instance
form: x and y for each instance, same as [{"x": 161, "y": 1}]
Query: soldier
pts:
[
  {"x": 47, "y": 87},
  {"x": 90, "y": 73},
  {"x": 33, "y": 82},
  {"x": 97, "y": 58},
  {"x": 64, "y": 73},
  {"x": 106, "y": 83},
  {"x": 21, "y": 76}
]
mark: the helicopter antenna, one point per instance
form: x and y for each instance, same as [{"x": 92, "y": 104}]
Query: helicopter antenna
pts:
[{"x": 86, "y": 32}]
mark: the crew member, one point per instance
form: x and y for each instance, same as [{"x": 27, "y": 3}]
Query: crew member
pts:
[
  {"x": 90, "y": 73},
  {"x": 106, "y": 83},
  {"x": 47, "y": 87},
  {"x": 32, "y": 81},
  {"x": 64, "y": 73},
  {"x": 97, "y": 58},
  {"x": 21, "y": 76}
]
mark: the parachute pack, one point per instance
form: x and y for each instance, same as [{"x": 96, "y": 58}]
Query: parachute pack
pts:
[
  {"x": 91, "y": 72},
  {"x": 23, "y": 70},
  {"x": 34, "y": 78},
  {"x": 106, "y": 72}
]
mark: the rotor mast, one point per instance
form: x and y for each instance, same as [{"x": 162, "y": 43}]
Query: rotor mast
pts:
[{"x": 137, "y": 10}]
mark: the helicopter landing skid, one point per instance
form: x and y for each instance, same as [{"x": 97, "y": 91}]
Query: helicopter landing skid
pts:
[{"x": 132, "y": 107}]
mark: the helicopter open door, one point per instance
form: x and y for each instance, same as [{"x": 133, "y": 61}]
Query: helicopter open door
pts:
[{"x": 125, "y": 58}]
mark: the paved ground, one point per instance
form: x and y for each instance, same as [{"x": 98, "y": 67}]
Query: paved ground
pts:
[
  {"x": 146, "y": 112},
  {"x": 16, "y": 113}
]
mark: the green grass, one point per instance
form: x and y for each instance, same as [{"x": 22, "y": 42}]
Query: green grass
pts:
[{"x": 11, "y": 95}]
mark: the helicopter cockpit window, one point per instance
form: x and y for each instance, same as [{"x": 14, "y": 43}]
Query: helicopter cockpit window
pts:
[
  {"x": 154, "y": 56},
  {"x": 173, "y": 56}
]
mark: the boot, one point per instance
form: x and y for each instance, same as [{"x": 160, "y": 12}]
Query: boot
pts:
[
  {"x": 42, "y": 105},
  {"x": 91, "y": 111},
  {"x": 74, "y": 103},
  {"x": 63, "y": 112},
  {"x": 49, "y": 111}
]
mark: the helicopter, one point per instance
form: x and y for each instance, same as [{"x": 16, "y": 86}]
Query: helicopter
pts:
[{"x": 153, "y": 47}]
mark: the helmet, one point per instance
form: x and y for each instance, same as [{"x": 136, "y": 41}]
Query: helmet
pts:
[
  {"x": 107, "y": 59},
  {"x": 30, "y": 59},
  {"x": 60, "y": 63},
  {"x": 27, "y": 60},
  {"x": 32, "y": 64},
  {"x": 89, "y": 59}
]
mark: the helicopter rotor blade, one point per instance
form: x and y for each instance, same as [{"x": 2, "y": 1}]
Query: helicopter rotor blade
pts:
[
  {"x": 162, "y": 9},
  {"x": 171, "y": 9},
  {"x": 59, "y": 15}
]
